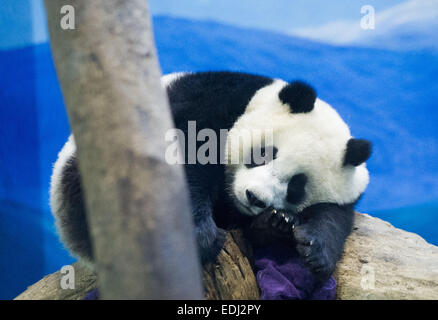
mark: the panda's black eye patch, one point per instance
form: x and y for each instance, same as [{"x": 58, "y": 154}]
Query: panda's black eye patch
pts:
[
  {"x": 296, "y": 188},
  {"x": 262, "y": 156}
]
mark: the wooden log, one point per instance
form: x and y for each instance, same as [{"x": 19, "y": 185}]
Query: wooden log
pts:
[{"x": 231, "y": 277}]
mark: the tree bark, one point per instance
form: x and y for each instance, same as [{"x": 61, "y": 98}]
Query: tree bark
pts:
[{"x": 137, "y": 204}]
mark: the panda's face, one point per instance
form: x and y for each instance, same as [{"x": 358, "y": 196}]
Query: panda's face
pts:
[{"x": 310, "y": 157}]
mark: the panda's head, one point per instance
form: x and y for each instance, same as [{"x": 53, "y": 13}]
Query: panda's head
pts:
[{"x": 308, "y": 154}]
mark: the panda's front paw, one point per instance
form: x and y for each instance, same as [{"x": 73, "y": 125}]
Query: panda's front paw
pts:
[
  {"x": 314, "y": 253},
  {"x": 283, "y": 221},
  {"x": 280, "y": 221}
]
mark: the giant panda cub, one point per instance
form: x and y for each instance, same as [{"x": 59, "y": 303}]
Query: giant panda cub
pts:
[{"x": 312, "y": 174}]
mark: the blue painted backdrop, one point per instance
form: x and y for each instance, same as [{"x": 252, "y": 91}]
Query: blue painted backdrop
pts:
[{"x": 388, "y": 96}]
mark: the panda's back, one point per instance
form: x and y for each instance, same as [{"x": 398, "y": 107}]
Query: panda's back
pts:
[{"x": 213, "y": 99}]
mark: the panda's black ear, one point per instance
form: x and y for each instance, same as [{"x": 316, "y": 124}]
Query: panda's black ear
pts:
[
  {"x": 358, "y": 151},
  {"x": 299, "y": 96}
]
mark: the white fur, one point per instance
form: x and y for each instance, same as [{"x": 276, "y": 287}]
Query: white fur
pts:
[
  {"x": 167, "y": 79},
  {"x": 66, "y": 153},
  {"x": 312, "y": 143}
]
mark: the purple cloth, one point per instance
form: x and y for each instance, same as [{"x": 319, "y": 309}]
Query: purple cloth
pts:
[
  {"x": 92, "y": 295},
  {"x": 282, "y": 275}
]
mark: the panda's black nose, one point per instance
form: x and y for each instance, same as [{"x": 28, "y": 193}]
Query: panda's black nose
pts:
[{"x": 252, "y": 199}]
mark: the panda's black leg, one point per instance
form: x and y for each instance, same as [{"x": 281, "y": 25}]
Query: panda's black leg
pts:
[
  {"x": 320, "y": 238},
  {"x": 210, "y": 238},
  {"x": 67, "y": 204}
]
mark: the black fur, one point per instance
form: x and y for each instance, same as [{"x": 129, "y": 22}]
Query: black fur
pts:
[
  {"x": 74, "y": 223},
  {"x": 358, "y": 151},
  {"x": 299, "y": 96},
  {"x": 296, "y": 188}
]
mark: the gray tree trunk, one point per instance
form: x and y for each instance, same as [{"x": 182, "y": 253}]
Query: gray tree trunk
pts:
[{"x": 137, "y": 204}]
